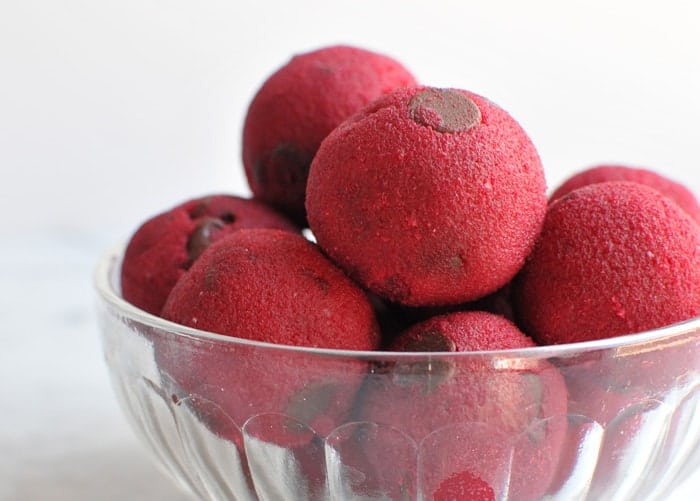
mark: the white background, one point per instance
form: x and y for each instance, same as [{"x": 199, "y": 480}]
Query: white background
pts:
[{"x": 111, "y": 111}]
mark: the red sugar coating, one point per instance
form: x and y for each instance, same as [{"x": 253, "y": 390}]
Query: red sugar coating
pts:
[
  {"x": 613, "y": 258},
  {"x": 464, "y": 486},
  {"x": 421, "y": 398},
  {"x": 673, "y": 190},
  {"x": 463, "y": 331},
  {"x": 165, "y": 246},
  {"x": 428, "y": 196},
  {"x": 298, "y": 106},
  {"x": 273, "y": 286}
]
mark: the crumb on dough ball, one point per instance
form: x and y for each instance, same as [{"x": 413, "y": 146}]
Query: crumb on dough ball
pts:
[
  {"x": 428, "y": 196},
  {"x": 298, "y": 106},
  {"x": 613, "y": 258}
]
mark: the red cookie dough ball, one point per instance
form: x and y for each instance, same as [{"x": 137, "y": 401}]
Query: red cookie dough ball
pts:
[
  {"x": 298, "y": 106},
  {"x": 166, "y": 245},
  {"x": 673, "y": 190},
  {"x": 613, "y": 258},
  {"x": 428, "y": 196},
  {"x": 273, "y": 286},
  {"x": 276, "y": 287},
  {"x": 420, "y": 398}
]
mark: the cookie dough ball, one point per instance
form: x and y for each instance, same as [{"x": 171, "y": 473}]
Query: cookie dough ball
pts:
[
  {"x": 428, "y": 196},
  {"x": 298, "y": 106},
  {"x": 276, "y": 287},
  {"x": 421, "y": 397},
  {"x": 613, "y": 258},
  {"x": 273, "y": 286},
  {"x": 673, "y": 190},
  {"x": 166, "y": 245}
]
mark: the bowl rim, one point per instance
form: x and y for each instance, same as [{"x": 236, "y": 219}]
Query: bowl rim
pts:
[{"x": 105, "y": 280}]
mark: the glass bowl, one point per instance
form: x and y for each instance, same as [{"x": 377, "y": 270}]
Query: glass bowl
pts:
[{"x": 235, "y": 419}]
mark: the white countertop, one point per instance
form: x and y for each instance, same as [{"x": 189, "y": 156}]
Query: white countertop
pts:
[{"x": 62, "y": 435}]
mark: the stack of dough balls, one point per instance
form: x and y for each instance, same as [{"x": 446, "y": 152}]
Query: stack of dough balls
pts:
[{"x": 378, "y": 201}]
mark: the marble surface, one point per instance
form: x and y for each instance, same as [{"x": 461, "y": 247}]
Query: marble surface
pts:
[{"x": 62, "y": 435}]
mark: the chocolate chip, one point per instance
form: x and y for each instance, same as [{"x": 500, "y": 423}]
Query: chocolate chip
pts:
[
  {"x": 202, "y": 236},
  {"x": 286, "y": 165},
  {"x": 431, "y": 372},
  {"x": 444, "y": 110},
  {"x": 429, "y": 340},
  {"x": 393, "y": 287},
  {"x": 228, "y": 217}
]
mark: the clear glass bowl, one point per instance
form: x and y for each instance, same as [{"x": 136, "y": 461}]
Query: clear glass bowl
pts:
[{"x": 235, "y": 419}]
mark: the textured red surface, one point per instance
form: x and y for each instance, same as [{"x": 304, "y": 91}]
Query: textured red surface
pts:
[
  {"x": 673, "y": 190},
  {"x": 464, "y": 486},
  {"x": 164, "y": 247},
  {"x": 467, "y": 331},
  {"x": 424, "y": 397},
  {"x": 298, "y": 106},
  {"x": 613, "y": 258},
  {"x": 424, "y": 206},
  {"x": 273, "y": 286}
]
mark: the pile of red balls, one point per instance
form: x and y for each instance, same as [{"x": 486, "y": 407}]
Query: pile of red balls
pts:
[
  {"x": 388, "y": 215},
  {"x": 422, "y": 202}
]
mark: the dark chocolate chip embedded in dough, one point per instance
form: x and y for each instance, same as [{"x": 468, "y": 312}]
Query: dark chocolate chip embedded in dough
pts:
[
  {"x": 201, "y": 236},
  {"x": 431, "y": 340},
  {"x": 444, "y": 110},
  {"x": 430, "y": 373}
]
